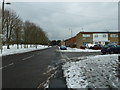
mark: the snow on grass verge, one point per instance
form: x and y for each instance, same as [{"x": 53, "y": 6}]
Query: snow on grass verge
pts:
[
  {"x": 97, "y": 72},
  {"x": 13, "y": 49},
  {"x": 78, "y": 50}
]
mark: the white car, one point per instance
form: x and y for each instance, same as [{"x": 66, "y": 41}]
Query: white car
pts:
[{"x": 89, "y": 45}]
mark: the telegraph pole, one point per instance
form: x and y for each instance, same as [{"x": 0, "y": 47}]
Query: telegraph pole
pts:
[
  {"x": 71, "y": 37},
  {"x": 82, "y": 30},
  {"x": 71, "y": 32}
]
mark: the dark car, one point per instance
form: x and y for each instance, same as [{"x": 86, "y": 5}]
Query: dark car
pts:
[
  {"x": 62, "y": 47},
  {"x": 106, "y": 49},
  {"x": 115, "y": 50},
  {"x": 97, "y": 46}
]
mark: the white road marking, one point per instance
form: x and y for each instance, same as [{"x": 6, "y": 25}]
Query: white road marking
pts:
[
  {"x": 27, "y": 57},
  {"x": 7, "y": 65},
  {"x": 45, "y": 84}
]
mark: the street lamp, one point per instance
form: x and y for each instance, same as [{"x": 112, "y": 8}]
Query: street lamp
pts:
[{"x": 7, "y": 3}]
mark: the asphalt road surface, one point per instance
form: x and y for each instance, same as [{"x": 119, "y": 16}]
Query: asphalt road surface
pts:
[{"x": 26, "y": 70}]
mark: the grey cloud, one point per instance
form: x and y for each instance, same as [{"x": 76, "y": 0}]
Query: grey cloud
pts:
[{"x": 57, "y": 18}]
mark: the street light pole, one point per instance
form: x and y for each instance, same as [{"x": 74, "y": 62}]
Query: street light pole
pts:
[
  {"x": 2, "y": 14},
  {"x": 3, "y": 3},
  {"x": 2, "y": 24}
]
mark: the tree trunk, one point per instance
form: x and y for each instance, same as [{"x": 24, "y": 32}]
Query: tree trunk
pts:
[
  {"x": 8, "y": 44},
  {"x": 24, "y": 45},
  {"x": 8, "y": 47},
  {"x": 36, "y": 45},
  {"x": 27, "y": 45},
  {"x": 17, "y": 46},
  {"x": 30, "y": 45},
  {"x": 21, "y": 45}
]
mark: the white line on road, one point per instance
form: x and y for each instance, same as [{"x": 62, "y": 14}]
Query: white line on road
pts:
[
  {"x": 45, "y": 84},
  {"x": 27, "y": 57},
  {"x": 7, "y": 65}
]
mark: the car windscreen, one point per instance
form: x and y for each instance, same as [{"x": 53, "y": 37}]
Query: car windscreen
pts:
[{"x": 110, "y": 46}]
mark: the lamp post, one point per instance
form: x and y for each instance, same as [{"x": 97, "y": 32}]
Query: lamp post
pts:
[
  {"x": 3, "y": 3},
  {"x": 2, "y": 15}
]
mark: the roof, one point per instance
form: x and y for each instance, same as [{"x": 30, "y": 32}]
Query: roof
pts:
[
  {"x": 96, "y": 32},
  {"x": 71, "y": 38}
]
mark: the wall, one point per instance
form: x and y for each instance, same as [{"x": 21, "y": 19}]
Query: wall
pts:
[
  {"x": 100, "y": 37},
  {"x": 113, "y": 39},
  {"x": 80, "y": 39},
  {"x": 71, "y": 42}
]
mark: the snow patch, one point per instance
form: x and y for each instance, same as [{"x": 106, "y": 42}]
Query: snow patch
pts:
[
  {"x": 78, "y": 50},
  {"x": 97, "y": 71},
  {"x": 13, "y": 49}
]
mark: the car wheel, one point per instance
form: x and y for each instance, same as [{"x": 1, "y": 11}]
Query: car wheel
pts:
[
  {"x": 103, "y": 52},
  {"x": 107, "y": 52},
  {"x": 111, "y": 52}
]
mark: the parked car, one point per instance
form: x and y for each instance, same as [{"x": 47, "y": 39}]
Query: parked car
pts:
[
  {"x": 82, "y": 47},
  {"x": 62, "y": 47},
  {"x": 90, "y": 46},
  {"x": 108, "y": 48},
  {"x": 97, "y": 46},
  {"x": 113, "y": 50}
]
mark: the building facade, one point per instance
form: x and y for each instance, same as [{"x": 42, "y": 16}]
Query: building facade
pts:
[
  {"x": 103, "y": 38},
  {"x": 71, "y": 42},
  {"x": 62, "y": 42}
]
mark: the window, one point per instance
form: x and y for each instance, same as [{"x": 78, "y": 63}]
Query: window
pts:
[
  {"x": 113, "y": 42},
  {"x": 84, "y": 43},
  {"x": 113, "y": 35},
  {"x": 104, "y": 35},
  {"x": 96, "y": 43},
  {"x": 96, "y": 36},
  {"x": 86, "y": 35}
]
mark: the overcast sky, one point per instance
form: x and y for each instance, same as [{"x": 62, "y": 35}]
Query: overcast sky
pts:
[{"x": 57, "y": 18}]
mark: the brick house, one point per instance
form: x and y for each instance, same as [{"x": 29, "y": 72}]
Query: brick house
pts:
[
  {"x": 71, "y": 42},
  {"x": 83, "y": 38},
  {"x": 114, "y": 37}
]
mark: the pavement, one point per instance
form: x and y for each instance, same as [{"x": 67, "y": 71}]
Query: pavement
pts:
[{"x": 27, "y": 70}]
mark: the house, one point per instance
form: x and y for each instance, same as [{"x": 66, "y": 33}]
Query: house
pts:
[
  {"x": 83, "y": 38},
  {"x": 62, "y": 42},
  {"x": 71, "y": 42}
]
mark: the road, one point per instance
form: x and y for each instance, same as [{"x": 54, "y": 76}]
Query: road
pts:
[{"x": 27, "y": 70}]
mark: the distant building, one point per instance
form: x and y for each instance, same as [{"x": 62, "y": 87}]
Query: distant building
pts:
[
  {"x": 84, "y": 38},
  {"x": 71, "y": 42},
  {"x": 62, "y": 43}
]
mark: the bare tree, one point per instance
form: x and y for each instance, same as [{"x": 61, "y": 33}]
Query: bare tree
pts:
[
  {"x": 33, "y": 34},
  {"x": 27, "y": 31},
  {"x": 9, "y": 25},
  {"x": 17, "y": 31}
]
